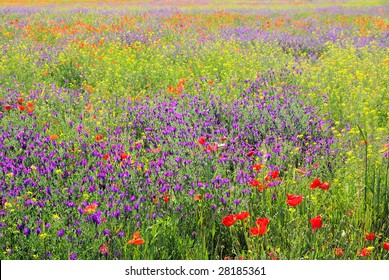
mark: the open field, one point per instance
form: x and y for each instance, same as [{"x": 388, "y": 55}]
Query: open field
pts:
[{"x": 194, "y": 130}]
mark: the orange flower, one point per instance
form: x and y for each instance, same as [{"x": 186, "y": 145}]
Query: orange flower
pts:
[
  {"x": 90, "y": 209},
  {"x": 123, "y": 156},
  {"x": 20, "y": 100},
  {"x": 99, "y": 137},
  {"x": 54, "y": 137},
  {"x": 89, "y": 107},
  {"x": 30, "y": 104},
  {"x": 338, "y": 252},
  {"x": 136, "y": 239},
  {"x": 197, "y": 197}
]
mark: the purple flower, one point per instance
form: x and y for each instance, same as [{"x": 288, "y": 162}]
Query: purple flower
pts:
[
  {"x": 73, "y": 256},
  {"x": 61, "y": 232}
]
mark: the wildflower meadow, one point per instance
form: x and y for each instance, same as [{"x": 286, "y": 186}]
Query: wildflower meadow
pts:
[{"x": 194, "y": 130}]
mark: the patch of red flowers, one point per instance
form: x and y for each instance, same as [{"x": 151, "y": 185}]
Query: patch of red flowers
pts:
[
  {"x": 319, "y": 184},
  {"x": 294, "y": 200},
  {"x": 99, "y": 137},
  {"x": 386, "y": 245}
]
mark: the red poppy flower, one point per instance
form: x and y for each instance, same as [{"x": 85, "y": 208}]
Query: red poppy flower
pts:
[
  {"x": 386, "y": 245},
  {"x": 99, "y": 137},
  {"x": 104, "y": 249},
  {"x": 294, "y": 200},
  {"x": 316, "y": 223},
  {"x": 7, "y": 107},
  {"x": 212, "y": 148},
  {"x": 274, "y": 174},
  {"x": 106, "y": 156},
  {"x": 257, "y": 167},
  {"x": 338, "y": 252},
  {"x": 325, "y": 186},
  {"x": 370, "y": 236},
  {"x": 197, "y": 197},
  {"x": 364, "y": 253},
  {"x": 261, "y": 227},
  {"x": 30, "y": 104},
  {"x": 123, "y": 156},
  {"x": 250, "y": 154},
  {"x": 241, "y": 216},
  {"x": 20, "y": 100},
  {"x": 228, "y": 220},
  {"x": 166, "y": 197},
  {"x": 21, "y": 108},
  {"x": 136, "y": 239},
  {"x": 30, "y": 110},
  {"x": 201, "y": 140},
  {"x": 254, "y": 183},
  {"x": 316, "y": 183},
  {"x": 54, "y": 137},
  {"x": 223, "y": 139}
]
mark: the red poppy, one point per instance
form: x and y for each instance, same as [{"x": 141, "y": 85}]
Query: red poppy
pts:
[
  {"x": 7, "y": 107},
  {"x": 201, "y": 140},
  {"x": 54, "y": 137},
  {"x": 21, "y": 108},
  {"x": 241, "y": 216},
  {"x": 166, "y": 197},
  {"x": 20, "y": 100},
  {"x": 364, "y": 253},
  {"x": 30, "y": 110},
  {"x": 274, "y": 174},
  {"x": 104, "y": 249},
  {"x": 316, "y": 223},
  {"x": 30, "y": 104},
  {"x": 261, "y": 227},
  {"x": 325, "y": 186},
  {"x": 294, "y": 200},
  {"x": 228, "y": 220},
  {"x": 223, "y": 139},
  {"x": 99, "y": 137},
  {"x": 386, "y": 245},
  {"x": 212, "y": 148},
  {"x": 254, "y": 183},
  {"x": 338, "y": 252},
  {"x": 197, "y": 197},
  {"x": 316, "y": 182},
  {"x": 123, "y": 156},
  {"x": 136, "y": 239},
  {"x": 106, "y": 156},
  {"x": 250, "y": 154},
  {"x": 257, "y": 167},
  {"x": 370, "y": 236}
]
